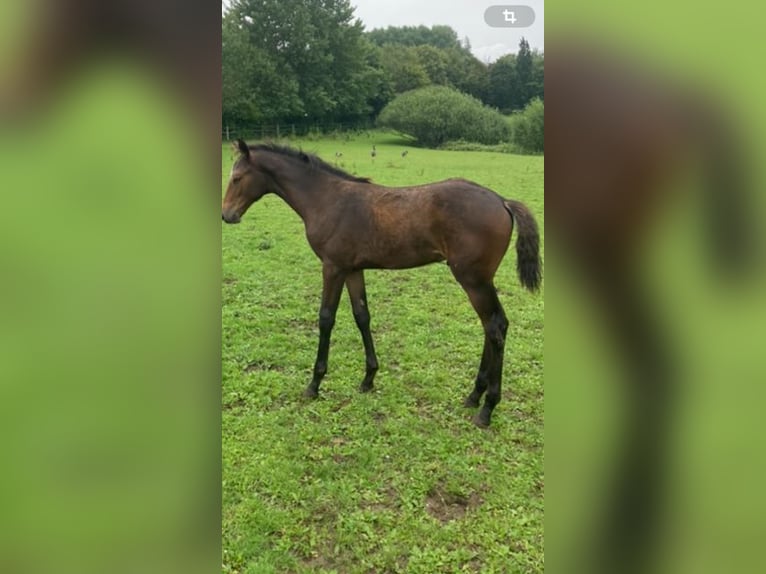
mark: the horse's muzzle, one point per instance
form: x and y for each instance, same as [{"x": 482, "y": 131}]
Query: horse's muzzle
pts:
[{"x": 230, "y": 218}]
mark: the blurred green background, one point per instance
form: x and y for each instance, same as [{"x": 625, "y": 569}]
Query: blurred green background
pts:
[
  {"x": 716, "y": 507},
  {"x": 109, "y": 327}
]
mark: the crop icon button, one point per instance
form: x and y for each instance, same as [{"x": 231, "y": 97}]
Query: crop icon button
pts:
[{"x": 509, "y": 16}]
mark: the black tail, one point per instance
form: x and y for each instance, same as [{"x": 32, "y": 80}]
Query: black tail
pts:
[
  {"x": 528, "y": 262},
  {"x": 728, "y": 206}
]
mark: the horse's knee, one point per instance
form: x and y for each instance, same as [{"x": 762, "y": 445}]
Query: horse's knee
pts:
[
  {"x": 326, "y": 320},
  {"x": 362, "y": 318}
]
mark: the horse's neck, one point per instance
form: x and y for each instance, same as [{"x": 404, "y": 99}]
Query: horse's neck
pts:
[{"x": 298, "y": 188}]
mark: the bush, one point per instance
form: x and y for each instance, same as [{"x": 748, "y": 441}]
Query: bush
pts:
[
  {"x": 437, "y": 114},
  {"x": 527, "y": 127}
]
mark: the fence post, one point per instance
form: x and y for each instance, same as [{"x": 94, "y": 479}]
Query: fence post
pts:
[{"x": 227, "y": 133}]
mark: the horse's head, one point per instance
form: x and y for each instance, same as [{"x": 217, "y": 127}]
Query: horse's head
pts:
[{"x": 247, "y": 184}]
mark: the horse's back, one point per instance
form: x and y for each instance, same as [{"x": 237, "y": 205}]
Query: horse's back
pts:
[
  {"x": 464, "y": 221},
  {"x": 461, "y": 205},
  {"x": 403, "y": 227}
]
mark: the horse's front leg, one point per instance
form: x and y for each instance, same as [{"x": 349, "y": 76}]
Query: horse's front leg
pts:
[
  {"x": 358, "y": 296},
  {"x": 332, "y": 286}
]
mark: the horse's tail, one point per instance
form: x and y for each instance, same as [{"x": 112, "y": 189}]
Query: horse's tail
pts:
[
  {"x": 528, "y": 262},
  {"x": 726, "y": 199}
]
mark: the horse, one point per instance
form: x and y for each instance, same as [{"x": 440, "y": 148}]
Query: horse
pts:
[{"x": 353, "y": 224}]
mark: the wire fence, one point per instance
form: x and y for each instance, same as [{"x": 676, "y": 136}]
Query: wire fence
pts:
[{"x": 294, "y": 130}]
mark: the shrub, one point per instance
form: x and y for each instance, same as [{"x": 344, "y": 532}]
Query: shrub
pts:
[
  {"x": 437, "y": 114},
  {"x": 527, "y": 127}
]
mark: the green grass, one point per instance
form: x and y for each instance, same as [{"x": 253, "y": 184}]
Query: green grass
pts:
[{"x": 398, "y": 480}]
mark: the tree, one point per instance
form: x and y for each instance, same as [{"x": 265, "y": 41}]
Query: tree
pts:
[
  {"x": 516, "y": 79},
  {"x": 503, "y": 84},
  {"x": 236, "y": 71},
  {"x": 316, "y": 45},
  {"x": 467, "y": 74},
  {"x": 380, "y": 84},
  {"x": 528, "y": 127},
  {"x": 435, "y": 63},
  {"x": 403, "y": 67},
  {"x": 443, "y": 37},
  {"x": 524, "y": 75},
  {"x": 250, "y": 81},
  {"x": 445, "y": 59},
  {"x": 538, "y": 75}
]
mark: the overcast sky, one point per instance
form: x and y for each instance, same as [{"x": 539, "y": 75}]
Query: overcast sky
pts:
[{"x": 466, "y": 17}]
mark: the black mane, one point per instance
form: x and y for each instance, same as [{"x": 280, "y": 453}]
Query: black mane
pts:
[{"x": 310, "y": 159}]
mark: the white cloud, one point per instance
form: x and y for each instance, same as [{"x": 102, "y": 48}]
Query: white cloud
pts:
[{"x": 492, "y": 52}]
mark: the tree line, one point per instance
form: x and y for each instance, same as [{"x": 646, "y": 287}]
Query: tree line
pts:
[{"x": 295, "y": 61}]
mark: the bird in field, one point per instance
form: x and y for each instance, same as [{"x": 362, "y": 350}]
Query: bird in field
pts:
[
  {"x": 374, "y": 152},
  {"x": 404, "y": 153}
]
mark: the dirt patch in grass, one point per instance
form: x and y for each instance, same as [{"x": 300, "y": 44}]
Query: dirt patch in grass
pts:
[
  {"x": 388, "y": 500},
  {"x": 300, "y": 324},
  {"x": 319, "y": 559},
  {"x": 378, "y": 416},
  {"x": 473, "y": 565},
  {"x": 321, "y": 556},
  {"x": 445, "y": 505},
  {"x": 262, "y": 366},
  {"x": 234, "y": 403},
  {"x": 340, "y": 404}
]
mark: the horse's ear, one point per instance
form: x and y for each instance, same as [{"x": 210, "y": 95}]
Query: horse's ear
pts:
[{"x": 243, "y": 148}]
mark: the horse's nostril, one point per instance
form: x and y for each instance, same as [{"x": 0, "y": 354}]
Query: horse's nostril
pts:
[{"x": 223, "y": 217}]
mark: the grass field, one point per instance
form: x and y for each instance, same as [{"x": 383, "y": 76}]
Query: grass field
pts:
[{"x": 398, "y": 480}]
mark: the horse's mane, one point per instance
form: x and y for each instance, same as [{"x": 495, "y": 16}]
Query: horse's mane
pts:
[{"x": 310, "y": 159}]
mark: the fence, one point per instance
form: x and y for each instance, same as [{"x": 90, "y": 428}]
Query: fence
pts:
[{"x": 293, "y": 130}]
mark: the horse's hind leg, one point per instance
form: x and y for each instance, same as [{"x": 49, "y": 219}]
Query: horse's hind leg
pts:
[
  {"x": 358, "y": 296},
  {"x": 480, "y": 385},
  {"x": 484, "y": 299}
]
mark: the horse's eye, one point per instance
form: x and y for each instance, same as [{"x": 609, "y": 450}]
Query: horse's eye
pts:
[{"x": 236, "y": 179}]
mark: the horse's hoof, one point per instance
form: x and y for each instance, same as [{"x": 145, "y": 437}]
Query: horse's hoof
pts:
[
  {"x": 310, "y": 393},
  {"x": 366, "y": 388},
  {"x": 481, "y": 421},
  {"x": 471, "y": 402}
]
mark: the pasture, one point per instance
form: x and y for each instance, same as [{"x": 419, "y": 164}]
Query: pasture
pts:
[{"x": 397, "y": 480}]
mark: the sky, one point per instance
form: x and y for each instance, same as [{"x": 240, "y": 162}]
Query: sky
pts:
[{"x": 466, "y": 17}]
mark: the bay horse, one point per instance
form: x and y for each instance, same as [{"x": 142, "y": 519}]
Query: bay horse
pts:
[{"x": 353, "y": 224}]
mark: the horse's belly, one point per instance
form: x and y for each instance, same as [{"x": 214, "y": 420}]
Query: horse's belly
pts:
[
  {"x": 409, "y": 262},
  {"x": 399, "y": 254}
]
